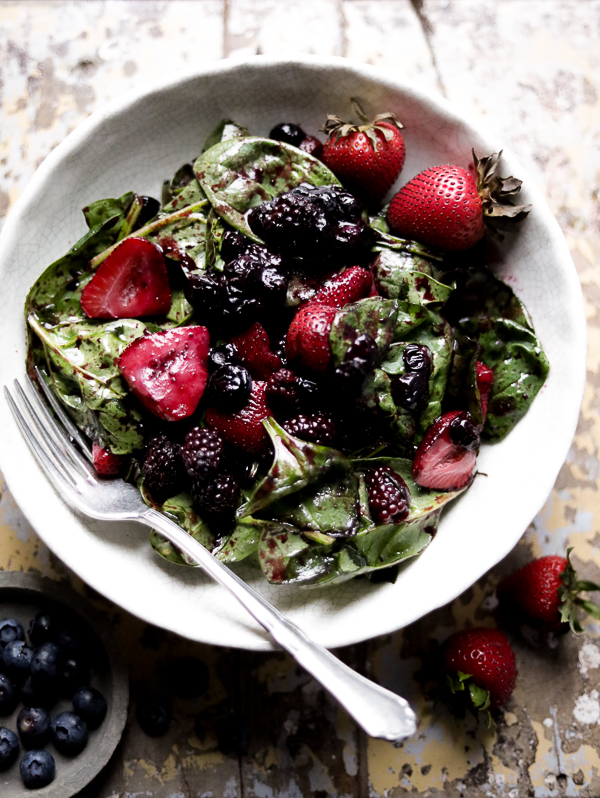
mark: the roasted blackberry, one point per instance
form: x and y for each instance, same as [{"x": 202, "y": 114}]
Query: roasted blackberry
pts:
[
  {"x": 281, "y": 393},
  {"x": 411, "y": 391},
  {"x": 313, "y": 222},
  {"x": 229, "y": 387},
  {"x": 235, "y": 244},
  {"x": 217, "y": 498},
  {"x": 206, "y": 294},
  {"x": 360, "y": 359},
  {"x": 464, "y": 432},
  {"x": 317, "y": 428},
  {"x": 202, "y": 453},
  {"x": 163, "y": 471},
  {"x": 289, "y": 133},
  {"x": 252, "y": 287},
  {"x": 417, "y": 357},
  {"x": 389, "y": 496}
]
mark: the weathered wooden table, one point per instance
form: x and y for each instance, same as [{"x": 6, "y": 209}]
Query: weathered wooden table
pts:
[{"x": 529, "y": 70}]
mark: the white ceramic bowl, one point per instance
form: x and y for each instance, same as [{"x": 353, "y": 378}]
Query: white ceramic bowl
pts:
[{"x": 137, "y": 142}]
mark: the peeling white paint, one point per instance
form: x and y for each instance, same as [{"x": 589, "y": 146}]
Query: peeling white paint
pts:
[
  {"x": 587, "y": 708},
  {"x": 589, "y": 658}
]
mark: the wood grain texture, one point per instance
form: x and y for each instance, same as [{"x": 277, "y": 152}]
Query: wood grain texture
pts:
[{"x": 527, "y": 69}]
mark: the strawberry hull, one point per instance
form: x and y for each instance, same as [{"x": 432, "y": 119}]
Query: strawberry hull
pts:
[{"x": 167, "y": 371}]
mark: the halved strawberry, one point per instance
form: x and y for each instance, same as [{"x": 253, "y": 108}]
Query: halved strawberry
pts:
[
  {"x": 167, "y": 371},
  {"x": 254, "y": 350},
  {"x": 243, "y": 428},
  {"x": 307, "y": 339},
  {"x": 446, "y": 456},
  {"x": 105, "y": 462},
  {"x": 485, "y": 383},
  {"x": 130, "y": 283},
  {"x": 349, "y": 286}
]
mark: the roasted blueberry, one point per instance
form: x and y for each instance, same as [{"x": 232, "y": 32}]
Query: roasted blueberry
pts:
[
  {"x": 411, "y": 390},
  {"x": 10, "y": 629},
  {"x": 221, "y": 355},
  {"x": 16, "y": 658},
  {"x": 90, "y": 705},
  {"x": 229, "y": 387},
  {"x": 289, "y": 133},
  {"x": 359, "y": 360},
  {"x": 207, "y": 295},
  {"x": 9, "y": 748},
  {"x": 188, "y": 677},
  {"x": 154, "y": 715},
  {"x": 9, "y": 695},
  {"x": 43, "y": 628},
  {"x": 46, "y": 665},
  {"x": 150, "y": 207},
  {"x": 69, "y": 733},
  {"x": 463, "y": 431},
  {"x": 37, "y": 769},
  {"x": 417, "y": 357},
  {"x": 33, "y": 726}
]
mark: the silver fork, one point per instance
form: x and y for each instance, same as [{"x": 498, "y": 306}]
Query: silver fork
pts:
[{"x": 381, "y": 713}]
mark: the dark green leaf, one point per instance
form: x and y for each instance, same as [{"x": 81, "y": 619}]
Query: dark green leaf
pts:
[
  {"x": 374, "y": 316},
  {"x": 401, "y": 275}
]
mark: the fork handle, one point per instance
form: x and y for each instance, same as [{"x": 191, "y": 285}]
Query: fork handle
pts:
[{"x": 378, "y": 711}]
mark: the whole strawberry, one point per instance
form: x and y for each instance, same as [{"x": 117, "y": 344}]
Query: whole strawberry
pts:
[
  {"x": 545, "y": 594},
  {"x": 481, "y": 661},
  {"x": 367, "y": 158},
  {"x": 450, "y": 207}
]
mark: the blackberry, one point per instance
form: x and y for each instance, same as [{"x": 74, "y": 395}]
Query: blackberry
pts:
[
  {"x": 411, "y": 390},
  {"x": 288, "y": 133},
  {"x": 281, "y": 393},
  {"x": 222, "y": 354},
  {"x": 217, "y": 498},
  {"x": 202, "y": 453},
  {"x": 163, "y": 468},
  {"x": 389, "y": 496},
  {"x": 253, "y": 286},
  {"x": 464, "y": 432},
  {"x": 229, "y": 387},
  {"x": 206, "y": 293},
  {"x": 417, "y": 357},
  {"x": 358, "y": 362},
  {"x": 235, "y": 244},
  {"x": 313, "y": 222},
  {"x": 317, "y": 428}
]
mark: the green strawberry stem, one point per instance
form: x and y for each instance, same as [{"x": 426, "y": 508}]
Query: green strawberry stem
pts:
[
  {"x": 570, "y": 598},
  {"x": 479, "y": 698}
]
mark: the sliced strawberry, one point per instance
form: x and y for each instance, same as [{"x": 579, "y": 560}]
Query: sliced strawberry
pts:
[
  {"x": 349, "y": 286},
  {"x": 307, "y": 339},
  {"x": 244, "y": 428},
  {"x": 254, "y": 350},
  {"x": 167, "y": 371},
  {"x": 105, "y": 462},
  {"x": 130, "y": 283},
  {"x": 485, "y": 383},
  {"x": 446, "y": 456}
]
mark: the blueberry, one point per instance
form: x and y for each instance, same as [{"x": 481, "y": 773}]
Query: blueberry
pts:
[
  {"x": 10, "y": 629},
  {"x": 229, "y": 387},
  {"x": 188, "y": 677},
  {"x": 289, "y": 133},
  {"x": 69, "y": 733},
  {"x": 17, "y": 660},
  {"x": 9, "y": 697},
  {"x": 43, "y": 628},
  {"x": 35, "y": 695},
  {"x": 69, "y": 642},
  {"x": 90, "y": 705},
  {"x": 75, "y": 673},
  {"x": 46, "y": 665},
  {"x": 37, "y": 769},
  {"x": 9, "y": 748},
  {"x": 33, "y": 726},
  {"x": 150, "y": 207},
  {"x": 154, "y": 715}
]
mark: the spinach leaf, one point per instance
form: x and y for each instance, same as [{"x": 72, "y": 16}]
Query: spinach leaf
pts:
[
  {"x": 287, "y": 557},
  {"x": 397, "y": 275},
  {"x": 241, "y": 173},
  {"x": 181, "y": 510},
  {"x": 376, "y": 395},
  {"x": 375, "y": 316}
]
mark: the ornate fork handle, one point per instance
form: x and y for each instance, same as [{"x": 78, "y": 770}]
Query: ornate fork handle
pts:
[{"x": 380, "y": 712}]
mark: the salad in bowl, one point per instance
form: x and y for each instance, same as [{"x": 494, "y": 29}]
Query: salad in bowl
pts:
[{"x": 298, "y": 374}]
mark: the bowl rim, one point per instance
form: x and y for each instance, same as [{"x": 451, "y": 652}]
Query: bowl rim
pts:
[{"x": 450, "y": 112}]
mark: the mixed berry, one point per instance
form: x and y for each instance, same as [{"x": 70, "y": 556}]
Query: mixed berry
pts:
[{"x": 278, "y": 349}]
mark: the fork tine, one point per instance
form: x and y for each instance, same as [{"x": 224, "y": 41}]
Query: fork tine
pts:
[
  {"x": 64, "y": 418},
  {"x": 62, "y": 484},
  {"x": 62, "y": 439}
]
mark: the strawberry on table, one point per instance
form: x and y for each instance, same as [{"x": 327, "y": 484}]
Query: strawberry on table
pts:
[
  {"x": 131, "y": 282},
  {"x": 482, "y": 661},
  {"x": 450, "y": 207},
  {"x": 243, "y": 428},
  {"x": 367, "y": 158},
  {"x": 307, "y": 340},
  {"x": 254, "y": 350},
  {"x": 446, "y": 456},
  {"x": 105, "y": 462},
  {"x": 167, "y": 371},
  {"x": 348, "y": 286},
  {"x": 546, "y": 594}
]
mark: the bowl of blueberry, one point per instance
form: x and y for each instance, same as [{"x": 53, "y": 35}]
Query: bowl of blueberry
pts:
[
  {"x": 63, "y": 689},
  {"x": 323, "y": 322}
]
